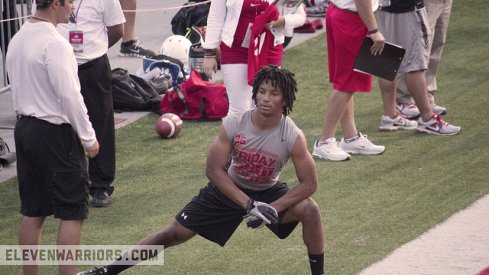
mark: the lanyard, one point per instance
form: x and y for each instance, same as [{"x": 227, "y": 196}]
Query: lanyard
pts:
[{"x": 74, "y": 16}]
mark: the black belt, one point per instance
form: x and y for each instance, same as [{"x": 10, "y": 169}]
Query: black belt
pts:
[{"x": 92, "y": 62}]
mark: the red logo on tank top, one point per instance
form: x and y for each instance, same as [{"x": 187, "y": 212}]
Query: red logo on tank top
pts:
[{"x": 240, "y": 139}]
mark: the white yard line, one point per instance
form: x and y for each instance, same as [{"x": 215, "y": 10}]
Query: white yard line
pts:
[{"x": 460, "y": 245}]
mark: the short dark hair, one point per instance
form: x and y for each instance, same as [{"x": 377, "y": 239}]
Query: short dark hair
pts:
[
  {"x": 42, "y": 4},
  {"x": 281, "y": 78}
]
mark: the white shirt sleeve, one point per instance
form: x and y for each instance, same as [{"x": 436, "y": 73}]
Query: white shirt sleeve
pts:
[
  {"x": 62, "y": 70},
  {"x": 294, "y": 20},
  {"x": 215, "y": 24}
]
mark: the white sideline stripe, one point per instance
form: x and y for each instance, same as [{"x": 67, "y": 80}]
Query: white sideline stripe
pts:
[{"x": 459, "y": 245}]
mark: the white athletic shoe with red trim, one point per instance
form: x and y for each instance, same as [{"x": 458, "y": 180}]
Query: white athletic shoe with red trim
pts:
[{"x": 437, "y": 126}]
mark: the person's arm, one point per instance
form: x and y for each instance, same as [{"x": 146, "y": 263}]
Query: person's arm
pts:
[
  {"x": 217, "y": 160},
  {"x": 115, "y": 33},
  {"x": 305, "y": 169},
  {"x": 294, "y": 20},
  {"x": 364, "y": 8},
  {"x": 215, "y": 24},
  {"x": 62, "y": 71}
]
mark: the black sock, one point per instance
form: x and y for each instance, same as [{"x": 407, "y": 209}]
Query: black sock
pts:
[
  {"x": 127, "y": 43},
  {"x": 114, "y": 268},
  {"x": 317, "y": 264}
]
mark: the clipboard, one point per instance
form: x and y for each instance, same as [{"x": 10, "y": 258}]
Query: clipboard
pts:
[{"x": 384, "y": 65}]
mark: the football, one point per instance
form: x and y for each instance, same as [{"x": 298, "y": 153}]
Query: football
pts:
[{"x": 168, "y": 125}]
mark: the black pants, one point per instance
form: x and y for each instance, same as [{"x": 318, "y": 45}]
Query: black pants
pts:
[{"x": 96, "y": 88}]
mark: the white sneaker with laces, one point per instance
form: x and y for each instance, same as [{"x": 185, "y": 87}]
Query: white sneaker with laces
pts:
[
  {"x": 361, "y": 146},
  {"x": 408, "y": 110},
  {"x": 437, "y": 109},
  {"x": 437, "y": 126},
  {"x": 329, "y": 150},
  {"x": 388, "y": 124}
]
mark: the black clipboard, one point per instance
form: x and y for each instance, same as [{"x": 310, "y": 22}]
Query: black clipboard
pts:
[{"x": 384, "y": 65}]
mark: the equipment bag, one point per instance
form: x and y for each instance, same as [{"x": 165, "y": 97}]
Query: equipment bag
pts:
[
  {"x": 196, "y": 99},
  {"x": 191, "y": 14},
  {"x": 132, "y": 93}
]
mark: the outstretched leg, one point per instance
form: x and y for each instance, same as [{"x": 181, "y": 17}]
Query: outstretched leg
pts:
[{"x": 173, "y": 234}]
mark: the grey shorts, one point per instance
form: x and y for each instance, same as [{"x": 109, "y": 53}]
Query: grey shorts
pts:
[{"x": 409, "y": 30}]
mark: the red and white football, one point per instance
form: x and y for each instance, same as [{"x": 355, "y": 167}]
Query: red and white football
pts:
[{"x": 168, "y": 125}]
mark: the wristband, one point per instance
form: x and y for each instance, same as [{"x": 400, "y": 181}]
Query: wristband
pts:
[
  {"x": 373, "y": 31},
  {"x": 249, "y": 205},
  {"x": 210, "y": 52}
]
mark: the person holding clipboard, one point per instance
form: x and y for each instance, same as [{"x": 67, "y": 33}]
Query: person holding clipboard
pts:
[{"x": 347, "y": 24}]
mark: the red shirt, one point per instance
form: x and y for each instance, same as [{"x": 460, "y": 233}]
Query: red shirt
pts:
[{"x": 236, "y": 54}]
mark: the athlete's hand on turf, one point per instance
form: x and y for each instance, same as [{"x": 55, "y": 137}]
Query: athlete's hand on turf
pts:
[
  {"x": 209, "y": 66},
  {"x": 93, "y": 150},
  {"x": 379, "y": 42},
  {"x": 258, "y": 210}
]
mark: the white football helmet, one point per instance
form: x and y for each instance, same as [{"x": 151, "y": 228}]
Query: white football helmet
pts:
[{"x": 177, "y": 46}]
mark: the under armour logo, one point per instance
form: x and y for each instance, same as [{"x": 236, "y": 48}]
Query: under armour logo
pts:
[{"x": 184, "y": 216}]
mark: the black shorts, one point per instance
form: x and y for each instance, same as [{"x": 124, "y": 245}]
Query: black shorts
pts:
[
  {"x": 215, "y": 217},
  {"x": 51, "y": 169}
]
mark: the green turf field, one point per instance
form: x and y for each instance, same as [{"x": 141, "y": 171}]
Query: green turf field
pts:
[{"x": 370, "y": 204}]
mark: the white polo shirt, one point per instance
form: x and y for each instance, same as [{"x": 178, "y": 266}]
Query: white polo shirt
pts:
[{"x": 92, "y": 18}]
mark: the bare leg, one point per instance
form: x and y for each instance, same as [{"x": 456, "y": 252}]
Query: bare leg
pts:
[
  {"x": 307, "y": 212},
  {"x": 69, "y": 233},
  {"x": 347, "y": 120},
  {"x": 30, "y": 234},
  {"x": 388, "y": 91},
  {"x": 129, "y": 26},
  {"x": 171, "y": 235},
  {"x": 338, "y": 103},
  {"x": 416, "y": 83}
]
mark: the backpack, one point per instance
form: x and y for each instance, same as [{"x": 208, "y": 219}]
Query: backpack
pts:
[
  {"x": 133, "y": 93},
  {"x": 196, "y": 99},
  {"x": 187, "y": 17}
]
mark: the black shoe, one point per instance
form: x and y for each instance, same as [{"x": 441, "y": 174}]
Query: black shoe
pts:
[
  {"x": 100, "y": 199},
  {"x": 100, "y": 270},
  {"x": 135, "y": 49}
]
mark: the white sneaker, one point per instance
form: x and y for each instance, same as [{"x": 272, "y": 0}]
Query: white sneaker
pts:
[
  {"x": 388, "y": 124},
  {"x": 330, "y": 150},
  {"x": 437, "y": 126},
  {"x": 408, "y": 110},
  {"x": 362, "y": 146},
  {"x": 437, "y": 109}
]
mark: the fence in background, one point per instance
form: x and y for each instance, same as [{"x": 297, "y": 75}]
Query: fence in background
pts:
[{"x": 13, "y": 15}]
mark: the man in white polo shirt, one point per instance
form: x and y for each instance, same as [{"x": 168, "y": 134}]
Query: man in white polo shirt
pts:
[{"x": 93, "y": 28}]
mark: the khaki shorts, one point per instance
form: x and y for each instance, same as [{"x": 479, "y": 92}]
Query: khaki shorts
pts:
[{"x": 409, "y": 30}]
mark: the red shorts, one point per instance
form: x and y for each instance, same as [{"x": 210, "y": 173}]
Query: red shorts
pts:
[{"x": 345, "y": 32}]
